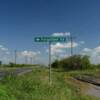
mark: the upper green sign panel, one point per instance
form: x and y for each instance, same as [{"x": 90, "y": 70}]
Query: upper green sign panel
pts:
[{"x": 50, "y": 39}]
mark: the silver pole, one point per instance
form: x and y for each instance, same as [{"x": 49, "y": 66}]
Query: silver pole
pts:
[{"x": 50, "y": 62}]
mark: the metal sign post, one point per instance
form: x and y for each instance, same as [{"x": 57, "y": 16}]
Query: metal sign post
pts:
[
  {"x": 50, "y": 62},
  {"x": 50, "y": 40}
]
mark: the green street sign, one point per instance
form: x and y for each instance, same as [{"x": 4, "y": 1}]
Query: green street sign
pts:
[{"x": 50, "y": 39}]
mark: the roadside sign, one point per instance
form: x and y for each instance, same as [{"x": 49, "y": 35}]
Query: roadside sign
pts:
[{"x": 50, "y": 39}]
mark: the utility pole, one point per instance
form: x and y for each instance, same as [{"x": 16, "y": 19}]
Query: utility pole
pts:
[
  {"x": 26, "y": 59},
  {"x": 71, "y": 39},
  {"x": 15, "y": 56},
  {"x": 31, "y": 60},
  {"x": 67, "y": 40}
]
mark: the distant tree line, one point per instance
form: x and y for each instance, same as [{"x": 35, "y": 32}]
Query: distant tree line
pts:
[
  {"x": 75, "y": 62},
  {"x": 11, "y": 64}
]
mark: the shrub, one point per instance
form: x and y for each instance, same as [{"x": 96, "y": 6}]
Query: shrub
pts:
[
  {"x": 75, "y": 62},
  {"x": 55, "y": 64}
]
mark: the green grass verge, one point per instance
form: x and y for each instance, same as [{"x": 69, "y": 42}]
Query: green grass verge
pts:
[{"x": 35, "y": 86}]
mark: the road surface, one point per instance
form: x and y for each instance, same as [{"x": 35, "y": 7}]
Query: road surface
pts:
[
  {"x": 18, "y": 71},
  {"x": 92, "y": 85}
]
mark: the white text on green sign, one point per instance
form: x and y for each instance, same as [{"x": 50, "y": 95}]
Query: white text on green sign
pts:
[{"x": 50, "y": 39}]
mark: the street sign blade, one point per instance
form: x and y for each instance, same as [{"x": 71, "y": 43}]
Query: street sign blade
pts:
[{"x": 50, "y": 39}]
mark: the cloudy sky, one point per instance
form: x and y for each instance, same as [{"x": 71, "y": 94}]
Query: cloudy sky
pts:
[{"x": 22, "y": 20}]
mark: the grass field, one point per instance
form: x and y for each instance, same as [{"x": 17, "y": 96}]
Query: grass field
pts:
[{"x": 35, "y": 86}]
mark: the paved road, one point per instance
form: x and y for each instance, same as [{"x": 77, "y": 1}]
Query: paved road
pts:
[{"x": 18, "y": 71}]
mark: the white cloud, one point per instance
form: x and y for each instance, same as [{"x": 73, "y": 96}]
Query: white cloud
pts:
[
  {"x": 67, "y": 33},
  {"x": 55, "y": 51},
  {"x": 61, "y": 34},
  {"x": 64, "y": 45},
  {"x": 47, "y": 50},
  {"x": 93, "y": 53},
  {"x": 38, "y": 52},
  {"x": 29, "y": 53},
  {"x": 1, "y": 46},
  {"x": 4, "y": 49},
  {"x": 97, "y": 49},
  {"x": 7, "y": 53},
  {"x": 64, "y": 55},
  {"x": 82, "y": 42},
  {"x": 56, "y": 48},
  {"x": 60, "y": 47},
  {"x": 74, "y": 44},
  {"x": 87, "y": 50}
]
